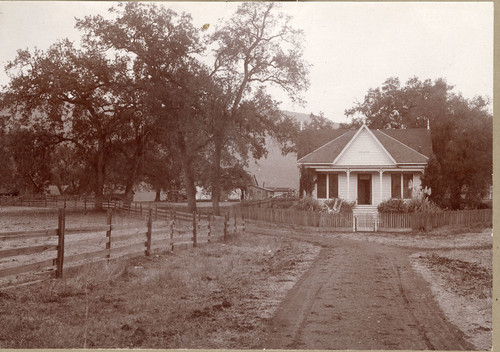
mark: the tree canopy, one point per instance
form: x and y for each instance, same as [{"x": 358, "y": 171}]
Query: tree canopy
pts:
[
  {"x": 139, "y": 90},
  {"x": 254, "y": 49},
  {"x": 460, "y": 171}
]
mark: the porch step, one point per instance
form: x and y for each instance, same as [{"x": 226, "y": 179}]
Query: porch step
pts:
[{"x": 365, "y": 210}]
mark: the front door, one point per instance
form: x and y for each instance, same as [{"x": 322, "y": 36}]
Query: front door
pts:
[{"x": 364, "y": 189}]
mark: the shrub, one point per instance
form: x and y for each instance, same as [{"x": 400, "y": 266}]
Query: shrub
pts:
[
  {"x": 346, "y": 207},
  {"x": 421, "y": 205},
  {"x": 392, "y": 206},
  {"x": 418, "y": 205},
  {"x": 284, "y": 203},
  {"x": 308, "y": 203},
  {"x": 343, "y": 206}
]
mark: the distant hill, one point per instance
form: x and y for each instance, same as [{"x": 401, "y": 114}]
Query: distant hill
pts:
[
  {"x": 277, "y": 170},
  {"x": 300, "y": 117}
]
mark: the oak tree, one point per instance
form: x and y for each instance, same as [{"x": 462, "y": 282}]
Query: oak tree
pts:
[{"x": 254, "y": 49}]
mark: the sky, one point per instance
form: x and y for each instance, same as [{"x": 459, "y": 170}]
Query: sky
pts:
[{"x": 352, "y": 46}]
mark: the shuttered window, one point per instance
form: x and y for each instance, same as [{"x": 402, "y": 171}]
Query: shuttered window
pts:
[
  {"x": 395, "y": 185},
  {"x": 333, "y": 186},
  {"x": 407, "y": 192},
  {"x": 321, "y": 184}
]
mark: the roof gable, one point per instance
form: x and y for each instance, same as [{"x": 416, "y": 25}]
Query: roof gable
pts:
[{"x": 364, "y": 149}]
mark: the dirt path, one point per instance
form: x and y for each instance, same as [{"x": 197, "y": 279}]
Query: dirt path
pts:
[{"x": 361, "y": 295}]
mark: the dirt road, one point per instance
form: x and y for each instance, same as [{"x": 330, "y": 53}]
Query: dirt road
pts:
[{"x": 361, "y": 295}]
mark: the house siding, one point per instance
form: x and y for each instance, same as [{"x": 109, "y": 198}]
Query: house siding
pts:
[
  {"x": 364, "y": 150},
  {"x": 377, "y": 197},
  {"x": 386, "y": 183}
]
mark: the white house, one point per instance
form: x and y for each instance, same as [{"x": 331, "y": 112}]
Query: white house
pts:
[{"x": 364, "y": 165}]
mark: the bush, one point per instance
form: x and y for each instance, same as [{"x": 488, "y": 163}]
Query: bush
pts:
[
  {"x": 346, "y": 207},
  {"x": 284, "y": 203},
  {"x": 342, "y": 206},
  {"x": 418, "y": 205},
  {"x": 308, "y": 203},
  {"x": 421, "y": 206},
  {"x": 392, "y": 206}
]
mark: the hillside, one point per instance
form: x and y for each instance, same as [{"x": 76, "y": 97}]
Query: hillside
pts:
[{"x": 278, "y": 170}]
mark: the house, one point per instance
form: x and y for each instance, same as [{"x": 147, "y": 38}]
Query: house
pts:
[{"x": 367, "y": 166}]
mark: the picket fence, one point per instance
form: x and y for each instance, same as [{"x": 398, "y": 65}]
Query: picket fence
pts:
[
  {"x": 160, "y": 232},
  {"x": 371, "y": 222}
]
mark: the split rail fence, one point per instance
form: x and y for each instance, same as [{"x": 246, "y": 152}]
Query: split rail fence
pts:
[
  {"x": 59, "y": 250},
  {"x": 55, "y": 202}
]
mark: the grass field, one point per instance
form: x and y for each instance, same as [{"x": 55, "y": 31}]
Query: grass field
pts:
[
  {"x": 218, "y": 296},
  {"x": 222, "y": 295}
]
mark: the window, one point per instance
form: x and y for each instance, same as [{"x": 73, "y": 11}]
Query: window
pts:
[
  {"x": 407, "y": 191},
  {"x": 321, "y": 184},
  {"x": 395, "y": 185},
  {"x": 333, "y": 186},
  {"x": 327, "y": 186}
]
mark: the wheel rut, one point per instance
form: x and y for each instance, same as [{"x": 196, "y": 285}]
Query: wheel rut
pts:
[{"x": 361, "y": 295}]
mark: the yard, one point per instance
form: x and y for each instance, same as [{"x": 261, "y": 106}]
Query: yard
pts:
[{"x": 224, "y": 295}]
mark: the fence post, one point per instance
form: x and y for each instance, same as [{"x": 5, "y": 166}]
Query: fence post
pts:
[
  {"x": 60, "y": 243},
  {"x": 235, "y": 224},
  {"x": 194, "y": 229},
  {"x": 243, "y": 220},
  {"x": 140, "y": 208},
  {"x": 225, "y": 227},
  {"x": 109, "y": 221},
  {"x": 354, "y": 220},
  {"x": 172, "y": 229},
  {"x": 149, "y": 233},
  {"x": 209, "y": 227}
]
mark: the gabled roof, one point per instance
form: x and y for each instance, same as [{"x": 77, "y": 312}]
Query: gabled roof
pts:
[
  {"x": 330, "y": 150},
  {"x": 418, "y": 139},
  {"x": 405, "y": 146},
  {"x": 310, "y": 140},
  {"x": 401, "y": 152}
]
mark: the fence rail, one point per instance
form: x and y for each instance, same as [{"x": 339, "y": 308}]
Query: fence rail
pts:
[{"x": 161, "y": 231}]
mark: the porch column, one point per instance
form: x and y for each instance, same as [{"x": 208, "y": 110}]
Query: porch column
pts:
[
  {"x": 380, "y": 172},
  {"x": 327, "y": 186},
  {"x": 402, "y": 188},
  {"x": 348, "y": 172}
]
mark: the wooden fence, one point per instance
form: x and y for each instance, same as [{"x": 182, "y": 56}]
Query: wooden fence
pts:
[
  {"x": 451, "y": 218},
  {"x": 375, "y": 222},
  {"x": 54, "y": 202},
  {"x": 296, "y": 217},
  {"x": 60, "y": 248}
]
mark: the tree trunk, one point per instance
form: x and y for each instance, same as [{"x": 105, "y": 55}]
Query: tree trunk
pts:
[
  {"x": 100, "y": 171},
  {"x": 187, "y": 168},
  {"x": 189, "y": 182},
  {"x": 158, "y": 195},
  {"x": 216, "y": 173},
  {"x": 136, "y": 162}
]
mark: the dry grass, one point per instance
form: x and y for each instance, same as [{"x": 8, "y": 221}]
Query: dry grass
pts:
[
  {"x": 461, "y": 281},
  {"x": 217, "y": 296}
]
